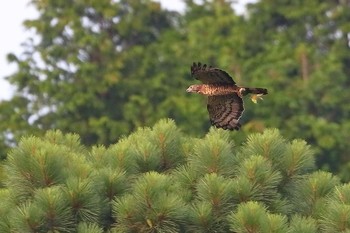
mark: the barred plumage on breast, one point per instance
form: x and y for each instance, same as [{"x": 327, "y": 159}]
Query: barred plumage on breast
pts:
[{"x": 212, "y": 90}]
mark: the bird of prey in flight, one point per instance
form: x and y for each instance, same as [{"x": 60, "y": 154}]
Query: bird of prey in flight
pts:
[{"x": 225, "y": 102}]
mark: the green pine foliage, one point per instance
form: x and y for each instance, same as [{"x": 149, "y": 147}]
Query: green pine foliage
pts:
[
  {"x": 84, "y": 227},
  {"x": 160, "y": 180},
  {"x": 153, "y": 205},
  {"x": 299, "y": 224},
  {"x": 336, "y": 213},
  {"x": 253, "y": 217}
]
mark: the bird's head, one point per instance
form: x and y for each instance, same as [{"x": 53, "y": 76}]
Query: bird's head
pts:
[{"x": 194, "y": 89}]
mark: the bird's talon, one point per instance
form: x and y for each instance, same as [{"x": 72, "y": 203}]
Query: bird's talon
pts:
[{"x": 256, "y": 97}]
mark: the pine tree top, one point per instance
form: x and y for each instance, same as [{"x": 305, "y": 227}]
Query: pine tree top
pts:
[{"x": 160, "y": 180}]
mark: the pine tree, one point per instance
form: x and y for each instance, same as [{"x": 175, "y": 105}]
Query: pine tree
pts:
[{"x": 161, "y": 180}]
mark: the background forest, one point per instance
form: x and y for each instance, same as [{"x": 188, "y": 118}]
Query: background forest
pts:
[{"x": 103, "y": 69}]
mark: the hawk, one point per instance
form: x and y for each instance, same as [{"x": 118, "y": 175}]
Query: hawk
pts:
[{"x": 225, "y": 103}]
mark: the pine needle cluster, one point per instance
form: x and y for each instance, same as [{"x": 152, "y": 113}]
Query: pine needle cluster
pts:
[{"x": 160, "y": 180}]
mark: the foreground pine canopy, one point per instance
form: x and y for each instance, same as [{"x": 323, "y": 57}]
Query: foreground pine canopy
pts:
[{"x": 160, "y": 180}]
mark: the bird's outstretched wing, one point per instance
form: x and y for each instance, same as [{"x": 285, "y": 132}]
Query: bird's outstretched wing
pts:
[
  {"x": 209, "y": 75},
  {"x": 225, "y": 111}
]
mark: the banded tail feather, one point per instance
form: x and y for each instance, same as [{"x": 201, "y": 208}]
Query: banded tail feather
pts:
[
  {"x": 254, "y": 90},
  {"x": 256, "y": 93}
]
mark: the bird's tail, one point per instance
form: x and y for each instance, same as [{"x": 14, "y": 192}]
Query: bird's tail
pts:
[{"x": 255, "y": 90}]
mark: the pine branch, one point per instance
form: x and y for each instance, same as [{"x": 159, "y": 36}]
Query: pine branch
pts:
[
  {"x": 213, "y": 154},
  {"x": 154, "y": 205},
  {"x": 252, "y": 217},
  {"x": 84, "y": 227},
  {"x": 302, "y": 224},
  {"x": 313, "y": 190}
]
